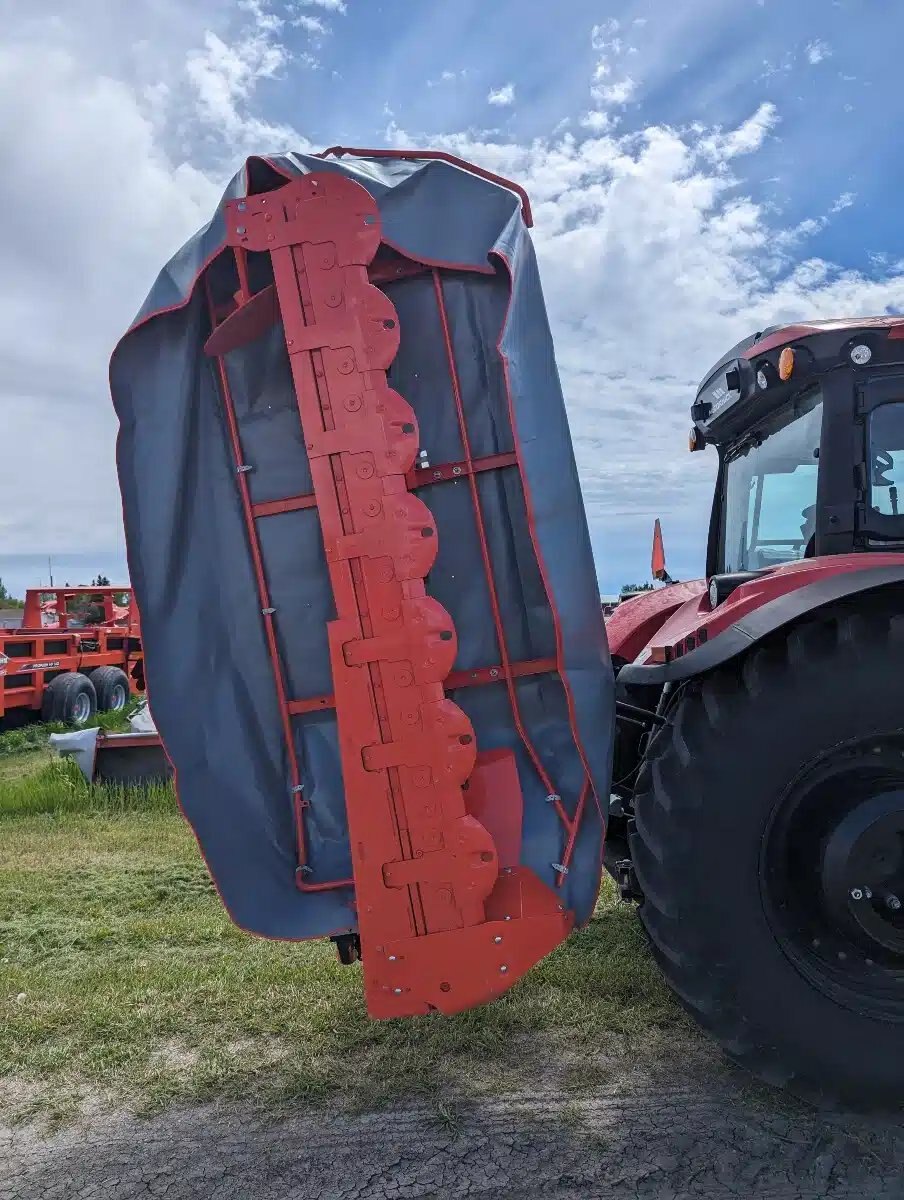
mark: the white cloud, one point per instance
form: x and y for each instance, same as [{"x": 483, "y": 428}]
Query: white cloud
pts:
[
  {"x": 845, "y": 200},
  {"x": 619, "y": 92},
  {"x": 338, "y": 6},
  {"x": 220, "y": 80},
  {"x": 95, "y": 219},
  {"x": 447, "y": 77},
  {"x": 310, "y": 24},
  {"x": 503, "y": 96},
  {"x": 817, "y": 51},
  {"x": 263, "y": 18},
  {"x": 605, "y": 89},
  {"x": 599, "y": 122},
  {"x": 97, "y": 216},
  {"x": 606, "y": 29},
  {"x": 223, "y": 75},
  {"x": 654, "y": 263},
  {"x": 745, "y": 139}
]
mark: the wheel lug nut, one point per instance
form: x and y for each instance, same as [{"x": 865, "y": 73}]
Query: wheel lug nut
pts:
[
  {"x": 856, "y": 893},
  {"x": 893, "y": 903}
]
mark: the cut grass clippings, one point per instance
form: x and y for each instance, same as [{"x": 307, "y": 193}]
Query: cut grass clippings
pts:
[
  {"x": 35, "y": 735},
  {"x": 121, "y": 974}
]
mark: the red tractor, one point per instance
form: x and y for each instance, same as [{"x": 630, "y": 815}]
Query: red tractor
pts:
[{"x": 759, "y": 818}]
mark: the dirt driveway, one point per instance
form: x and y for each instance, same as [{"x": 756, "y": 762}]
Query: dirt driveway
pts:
[{"x": 701, "y": 1131}]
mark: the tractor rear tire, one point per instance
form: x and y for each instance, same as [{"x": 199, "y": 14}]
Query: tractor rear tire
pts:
[
  {"x": 772, "y": 751},
  {"x": 112, "y": 687},
  {"x": 70, "y": 698}
]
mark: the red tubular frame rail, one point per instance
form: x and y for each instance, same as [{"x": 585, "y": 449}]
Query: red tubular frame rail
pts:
[{"x": 447, "y": 918}]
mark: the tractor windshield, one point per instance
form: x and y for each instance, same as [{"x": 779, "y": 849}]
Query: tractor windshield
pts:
[{"x": 769, "y": 491}]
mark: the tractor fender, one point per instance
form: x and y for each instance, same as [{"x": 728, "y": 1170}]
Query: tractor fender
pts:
[
  {"x": 826, "y": 582},
  {"x": 637, "y": 620}
]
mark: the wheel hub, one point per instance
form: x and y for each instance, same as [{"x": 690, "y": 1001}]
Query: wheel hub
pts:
[
  {"x": 81, "y": 710},
  {"x": 832, "y": 873},
  {"x": 863, "y": 872}
]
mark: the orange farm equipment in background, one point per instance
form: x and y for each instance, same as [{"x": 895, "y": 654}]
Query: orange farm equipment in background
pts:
[{"x": 77, "y": 652}]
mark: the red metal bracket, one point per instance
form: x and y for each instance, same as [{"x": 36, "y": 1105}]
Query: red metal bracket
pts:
[{"x": 435, "y": 910}]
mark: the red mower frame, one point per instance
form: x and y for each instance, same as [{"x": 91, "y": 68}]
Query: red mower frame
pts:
[{"x": 448, "y": 919}]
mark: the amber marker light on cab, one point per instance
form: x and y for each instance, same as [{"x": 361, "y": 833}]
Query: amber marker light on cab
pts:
[{"x": 785, "y": 364}]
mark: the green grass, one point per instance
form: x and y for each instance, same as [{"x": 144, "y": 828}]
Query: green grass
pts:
[
  {"x": 121, "y": 974},
  {"x": 35, "y": 734}
]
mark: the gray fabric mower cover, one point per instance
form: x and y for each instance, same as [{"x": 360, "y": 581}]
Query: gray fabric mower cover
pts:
[{"x": 207, "y": 668}]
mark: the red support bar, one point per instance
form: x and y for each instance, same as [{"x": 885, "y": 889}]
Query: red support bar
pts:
[
  {"x": 457, "y": 679},
  {"x": 267, "y": 613},
  {"x": 485, "y": 555},
  {"x": 270, "y": 508},
  {"x": 573, "y": 833},
  {"x": 298, "y": 708},
  {"x": 423, "y": 476},
  {"x": 241, "y": 267},
  {"x": 415, "y": 478}
]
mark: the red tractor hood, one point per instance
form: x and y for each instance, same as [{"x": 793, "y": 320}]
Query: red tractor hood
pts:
[{"x": 661, "y": 628}]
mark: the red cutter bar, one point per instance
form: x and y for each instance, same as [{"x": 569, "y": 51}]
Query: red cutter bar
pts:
[{"x": 447, "y": 917}]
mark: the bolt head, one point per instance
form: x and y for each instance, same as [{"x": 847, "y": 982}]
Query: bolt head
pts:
[
  {"x": 894, "y": 903},
  {"x": 856, "y": 893},
  {"x": 503, "y": 969},
  {"x": 392, "y": 958},
  {"x": 397, "y": 991},
  {"x": 497, "y": 940}
]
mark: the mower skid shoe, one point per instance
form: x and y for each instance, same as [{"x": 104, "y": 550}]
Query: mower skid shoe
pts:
[{"x": 443, "y": 923}]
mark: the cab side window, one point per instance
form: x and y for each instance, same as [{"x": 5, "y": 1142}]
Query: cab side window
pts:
[{"x": 885, "y": 459}]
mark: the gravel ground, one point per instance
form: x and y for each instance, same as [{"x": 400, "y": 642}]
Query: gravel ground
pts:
[{"x": 703, "y": 1131}]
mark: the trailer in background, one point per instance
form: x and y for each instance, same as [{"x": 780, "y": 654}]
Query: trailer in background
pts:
[{"x": 77, "y": 652}]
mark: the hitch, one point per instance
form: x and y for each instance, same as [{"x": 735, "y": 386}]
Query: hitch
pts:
[{"x": 628, "y": 885}]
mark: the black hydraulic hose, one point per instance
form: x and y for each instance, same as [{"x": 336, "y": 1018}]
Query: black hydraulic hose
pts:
[{"x": 644, "y": 716}]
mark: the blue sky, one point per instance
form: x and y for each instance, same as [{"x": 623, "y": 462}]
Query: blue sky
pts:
[{"x": 698, "y": 170}]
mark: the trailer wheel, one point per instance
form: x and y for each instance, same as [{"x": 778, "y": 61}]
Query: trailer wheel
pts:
[
  {"x": 768, "y": 841},
  {"x": 112, "y": 687},
  {"x": 69, "y": 698}
]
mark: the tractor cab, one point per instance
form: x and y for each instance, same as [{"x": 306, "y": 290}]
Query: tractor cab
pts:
[
  {"x": 760, "y": 809},
  {"x": 808, "y": 421}
]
